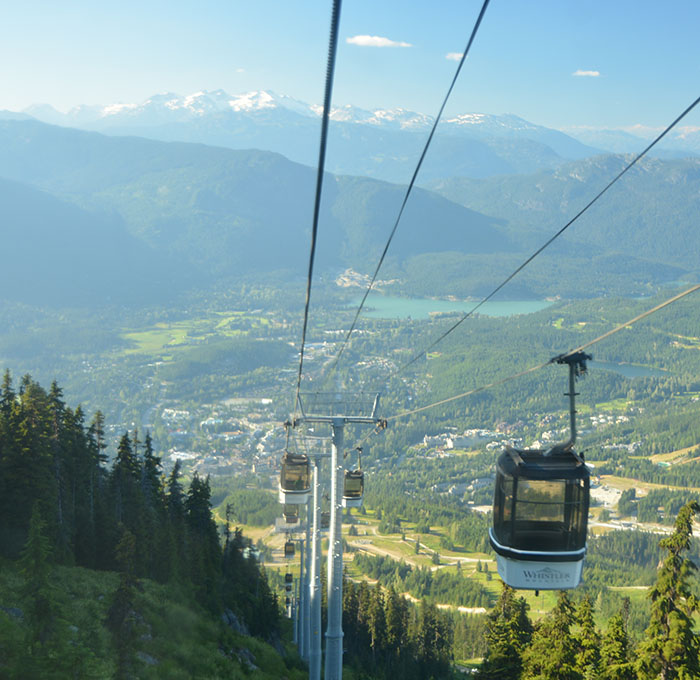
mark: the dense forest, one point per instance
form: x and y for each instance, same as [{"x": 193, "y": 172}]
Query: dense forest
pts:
[{"x": 61, "y": 506}]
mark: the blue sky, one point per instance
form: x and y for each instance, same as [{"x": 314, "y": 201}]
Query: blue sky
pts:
[{"x": 638, "y": 61}]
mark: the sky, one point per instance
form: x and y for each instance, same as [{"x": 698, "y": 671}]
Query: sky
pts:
[{"x": 558, "y": 63}]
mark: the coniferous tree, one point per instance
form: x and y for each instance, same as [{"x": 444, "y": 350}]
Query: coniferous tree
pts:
[
  {"x": 154, "y": 513},
  {"x": 97, "y": 432},
  {"x": 203, "y": 543},
  {"x": 40, "y": 603},
  {"x": 28, "y": 466},
  {"x": 124, "y": 481},
  {"x": 176, "y": 541},
  {"x": 376, "y": 620},
  {"x": 48, "y": 460},
  {"x": 350, "y": 617},
  {"x": 97, "y": 511},
  {"x": 151, "y": 483},
  {"x": 508, "y": 631},
  {"x": 433, "y": 641},
  {"x": 56, "y": 412},
  {"x": 588, "y": 640},
  {"x": 245, "y": 587},
  {"x": 397, "y": 624},
  {"x": 614, "y": 652},
  {"x": 551, "y": 654},
  {"x": 121, "y": 617},
  {"x": 671, "y": 648}
]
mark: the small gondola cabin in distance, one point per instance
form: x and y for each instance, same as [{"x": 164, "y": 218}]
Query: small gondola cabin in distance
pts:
[
  {"x": 540, "y": 508},
  {"x": 353, "y": 488}
]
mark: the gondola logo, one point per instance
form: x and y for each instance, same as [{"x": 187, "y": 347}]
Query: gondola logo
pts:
[{"x": 546, "y": 575}]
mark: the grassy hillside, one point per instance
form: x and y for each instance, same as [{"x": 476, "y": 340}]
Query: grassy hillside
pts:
[{"x": 175, "y": 638}]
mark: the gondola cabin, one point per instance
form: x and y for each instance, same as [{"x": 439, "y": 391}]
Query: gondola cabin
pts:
[
  {"x": 540, "y": 508},
  {"x": 540, "y": 518},
  {"x": 288, "y": 588},
  {"x": 353, "y": 488},
  {"x": 295, "y": 479},
  {"x": 289, "y": 549},
  {"x": 290, "y": 512},
  {"x": 288, "y": 578},
  {"x": 325, "y": 520}
]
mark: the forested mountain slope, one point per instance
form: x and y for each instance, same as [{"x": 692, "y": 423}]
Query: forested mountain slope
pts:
[
  {"x": 229, "y": 213},
  {"x": 651, "y": 212},
  {"x": 60, "y": 254}
]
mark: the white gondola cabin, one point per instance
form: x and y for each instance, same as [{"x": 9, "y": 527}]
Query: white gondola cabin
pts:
[
  {"x": 295, "y": 479},
  {"x": 540, "y": 509}
]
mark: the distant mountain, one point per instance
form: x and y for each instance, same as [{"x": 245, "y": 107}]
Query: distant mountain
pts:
[
  {"x": 649, "y": 213},
  {"x": 56, "y": 253},
  {"x": 12, "y": 115},
  {"x": 681, "y": 143},
  {"x": 384, "y": 144},
  {"x": 182, "y": 215},
  {"x": 222, "y": 213}
]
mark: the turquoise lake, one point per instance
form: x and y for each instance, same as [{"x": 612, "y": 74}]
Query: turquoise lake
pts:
[
  {"x": 389, "y": 307},
  {"x": 628, "y": 370}
]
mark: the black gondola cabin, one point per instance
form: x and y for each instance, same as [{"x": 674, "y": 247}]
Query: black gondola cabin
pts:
[
  {"x": 289, "y": 549},
  {"x": 540, "y": 517},
  {"x": 540, "y": 508}
]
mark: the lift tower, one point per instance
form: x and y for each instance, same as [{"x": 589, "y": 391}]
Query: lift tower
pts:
[{"x": 337, "y": 411}]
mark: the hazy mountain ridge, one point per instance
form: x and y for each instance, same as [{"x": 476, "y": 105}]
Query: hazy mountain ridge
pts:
[
  {"x": 224, "y": 213},
  {"x": 651, "y": 212},
  {"x": 58, "y": 253},
  {"x": 200, "y": 214}
]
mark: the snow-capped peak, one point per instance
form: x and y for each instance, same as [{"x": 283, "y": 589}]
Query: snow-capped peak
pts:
[{"x": 381, "y": 117}]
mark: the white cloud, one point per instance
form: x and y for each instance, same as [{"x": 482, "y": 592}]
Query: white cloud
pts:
[
  {"x": 375, "y": 41},
  {"x": 454, "y": 56},
  {"x": 586, "y": 74},
  {"x": 240, "y": 70}
]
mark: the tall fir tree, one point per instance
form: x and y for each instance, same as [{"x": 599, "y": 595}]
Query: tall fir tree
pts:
[
  {"x": 122, "y": 617},
  {"x": 204, "y": 549},
  {"x": 551, "y": 654},
  {"x": 671, "y": 648},
  {"x": 588, "y": 641},
  {"x": 614, "y": 651},
  {"x": 38, "y": 592},
  {"x": 508, "y": 632}
]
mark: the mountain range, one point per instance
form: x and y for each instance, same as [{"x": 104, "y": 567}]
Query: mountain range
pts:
[
  {"x": 383, "y": 143},
  {"x": 163, "y": 217},
  {"x": 212, "y": 213}
]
